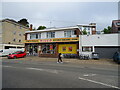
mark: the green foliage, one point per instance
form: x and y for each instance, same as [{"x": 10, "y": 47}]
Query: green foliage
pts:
[
  {"x": 107, "y": 30},
  {"x": 41, "y": 27},
  {"x": 24, "y": 22},
  {"x": 84, "y": 32}
]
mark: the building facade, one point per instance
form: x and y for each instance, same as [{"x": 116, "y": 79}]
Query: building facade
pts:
[
  {"x": 115, "y": 26},
  {"x": 90, "y": 29},
  {"x": 104, "y": 44},
  {"x": 12, "y": 34},
  {"x": 50, "y": 42}
]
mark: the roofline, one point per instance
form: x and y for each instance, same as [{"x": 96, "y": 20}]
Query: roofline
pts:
[
  {"x": 53, "y": 29},
  {"x": 85, "y": 25},
  {"x": 8, "y": 20}
]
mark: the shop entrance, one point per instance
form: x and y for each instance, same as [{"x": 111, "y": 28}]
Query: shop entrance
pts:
[{"x": 32, "y": 49}]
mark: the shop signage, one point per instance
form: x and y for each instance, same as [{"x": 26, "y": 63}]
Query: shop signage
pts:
[
  {"x": 53, "y": 40},
  {"x": 32, "y": 41}
]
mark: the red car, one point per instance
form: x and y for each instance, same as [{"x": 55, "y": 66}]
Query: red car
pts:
[{"x": 17, "y": 55}]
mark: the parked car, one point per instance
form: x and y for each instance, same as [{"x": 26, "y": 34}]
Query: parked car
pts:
[
  {"x": 116, "y": 57},
  {"x": 17, "y": 54}
]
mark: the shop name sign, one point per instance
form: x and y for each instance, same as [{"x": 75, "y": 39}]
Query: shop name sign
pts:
[
  {"x": 65, "y": 39},
  {"x": 31, "y": 41},
  {"x": 53, "y": 40}
]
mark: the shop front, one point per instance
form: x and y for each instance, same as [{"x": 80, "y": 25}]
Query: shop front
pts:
[{"x": 51, "y": 47}]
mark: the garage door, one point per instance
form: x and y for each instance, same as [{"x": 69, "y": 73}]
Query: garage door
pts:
[{"x": 106, "y": 52}]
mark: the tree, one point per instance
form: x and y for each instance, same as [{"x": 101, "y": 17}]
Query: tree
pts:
[
  {"x": 41, "y": 27},
  {"x": 107, "y": 30},
  {"x": 84, "y": 32},
  {"x": 24, "y": 22}
]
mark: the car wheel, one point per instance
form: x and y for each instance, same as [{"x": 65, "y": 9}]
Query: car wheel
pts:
[{"x": 15, "y": 57}]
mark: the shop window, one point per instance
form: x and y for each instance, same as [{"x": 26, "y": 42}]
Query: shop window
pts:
[
  {"x": 50, "y": 34},
  {"x": 48, "y": 48},
  {"x": 70, "y": 49},
  {"x": 63, "y": 48},
  {"x": 87, "y": 49}
]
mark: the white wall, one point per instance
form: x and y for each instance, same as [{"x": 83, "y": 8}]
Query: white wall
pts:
[
  {"x": 28, "y": 36},
  {"x": 99, "y": 40},
  {"x": 59, "y": 34}
]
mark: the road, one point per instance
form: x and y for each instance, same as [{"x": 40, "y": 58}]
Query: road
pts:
[{"x": 20, "y": 74}]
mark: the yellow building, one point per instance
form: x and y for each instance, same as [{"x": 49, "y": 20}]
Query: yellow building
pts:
[{"x": 50, "y": 42}]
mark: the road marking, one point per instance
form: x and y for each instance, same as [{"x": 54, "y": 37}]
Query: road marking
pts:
[
  {"x": 9, "y": 66},
  {"x": 47, "y": 70},
  {"x": 86, "y": 75},
  {"x": 99, "y": 83}
]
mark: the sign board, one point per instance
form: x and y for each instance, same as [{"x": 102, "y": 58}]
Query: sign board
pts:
[{"x": 53, "y": 40}]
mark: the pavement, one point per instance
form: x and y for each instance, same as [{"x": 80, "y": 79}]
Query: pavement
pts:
[{"x": 67, "y": 60}]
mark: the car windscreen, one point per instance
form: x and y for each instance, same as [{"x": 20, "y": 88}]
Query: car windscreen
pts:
[{"x": 14, "y": 53}]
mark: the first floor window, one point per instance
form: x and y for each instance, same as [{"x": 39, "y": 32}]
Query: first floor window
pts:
[
  {"x": 69, "y": 33},
  {"x": 34, "y": 36},
  {"x": 87, "y": 49},
  {"x": 50, "y": 34}
]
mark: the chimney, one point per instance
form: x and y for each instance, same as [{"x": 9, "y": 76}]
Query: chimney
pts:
[{"x": 31, "y": 27}]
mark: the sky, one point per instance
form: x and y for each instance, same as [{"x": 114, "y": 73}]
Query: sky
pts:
[{"x": 62, "y": 14}]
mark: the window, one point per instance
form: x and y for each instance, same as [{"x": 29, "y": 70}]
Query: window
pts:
[
  {"x": 87, "y": 49},
  {"x": 85, "y": 28},
  {"x": 88, "y": 33},
  {"x": 34, "y": 36},
  {"x": 118, "y": 23},
  {"x": 69, "y": 33},
  {"x": 70, "y": 49},
  {"x": 48, "y": 48},
  {"x": 14, "y": 40},
  {"x": 39, "y": 35},
  {"x": 19, "y": 40},
  {"x": 50, "y": 34},
  {"x": 63, "y": 48},
  {"x": 88, "y": 28}
]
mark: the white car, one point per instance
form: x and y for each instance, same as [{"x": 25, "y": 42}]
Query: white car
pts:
[{"x": 5, "y": 52}]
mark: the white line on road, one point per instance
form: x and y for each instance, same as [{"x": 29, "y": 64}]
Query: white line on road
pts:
[
  {"x": 98, "y": 82},
  {"x": 47, "y": 70},
  {"x": 7, "y": 66},
  {"x": 86, "y": 75}
]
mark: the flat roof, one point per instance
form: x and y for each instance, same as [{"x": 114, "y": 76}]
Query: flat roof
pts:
[{"x": 53, "y": 29}]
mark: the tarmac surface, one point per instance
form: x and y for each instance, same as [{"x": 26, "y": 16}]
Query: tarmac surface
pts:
[
  {"x": 67, "y": 60},
  {"x": 39, "y": 72}
]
